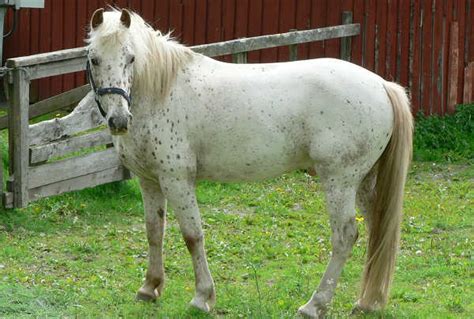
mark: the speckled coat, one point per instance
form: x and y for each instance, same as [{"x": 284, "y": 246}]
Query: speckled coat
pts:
[{"x": 227, "y": 122}]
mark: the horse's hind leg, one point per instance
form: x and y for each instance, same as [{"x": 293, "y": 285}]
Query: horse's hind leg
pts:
[
  {"x": 341, "y": 206},
  {"x": 155, "y": 215},
  {"x": 366, "y": 195}
]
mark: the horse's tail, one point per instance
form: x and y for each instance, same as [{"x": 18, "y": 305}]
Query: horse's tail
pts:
[{"x": 385, "y": 217}]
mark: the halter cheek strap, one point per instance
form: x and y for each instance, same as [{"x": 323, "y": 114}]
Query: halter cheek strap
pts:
[{"x": 103, "y": 91}]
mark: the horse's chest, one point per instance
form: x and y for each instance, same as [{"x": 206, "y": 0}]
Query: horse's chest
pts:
[{"x": 137, "y": 156}]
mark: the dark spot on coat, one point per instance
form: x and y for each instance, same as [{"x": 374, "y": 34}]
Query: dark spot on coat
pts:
[
  {"x": 161, "y": 212},
  {"x": 191, "y": 242}
]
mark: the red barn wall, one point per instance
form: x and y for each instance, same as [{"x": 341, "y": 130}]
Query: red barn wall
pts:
[{"x": 426, "y": 45}]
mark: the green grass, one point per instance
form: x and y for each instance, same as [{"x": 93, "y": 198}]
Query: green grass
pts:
[
  {"x": 84, "y": 254},
  {"x": 448, "y": 138}
]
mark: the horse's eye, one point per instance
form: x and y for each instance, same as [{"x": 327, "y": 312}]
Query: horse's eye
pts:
[
  {"x": 94, "y": 61},
  {"x": 132, "y": 59}
]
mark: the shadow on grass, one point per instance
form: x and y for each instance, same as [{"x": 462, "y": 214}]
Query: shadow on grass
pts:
[{"x": 108, "y": 203}]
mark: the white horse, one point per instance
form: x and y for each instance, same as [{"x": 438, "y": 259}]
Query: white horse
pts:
[{"x": 178, "y": 117}]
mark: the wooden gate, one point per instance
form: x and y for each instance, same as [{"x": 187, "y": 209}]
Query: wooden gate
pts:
[{"x": 75, "y": 151}]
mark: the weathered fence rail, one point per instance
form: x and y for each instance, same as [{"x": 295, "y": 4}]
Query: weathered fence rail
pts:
[{"x": 38, "y": 167}]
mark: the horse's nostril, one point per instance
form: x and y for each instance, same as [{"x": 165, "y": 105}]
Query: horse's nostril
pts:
[
  {"x": 112, "y": 123},
  {"x": 118, "y": 123}
]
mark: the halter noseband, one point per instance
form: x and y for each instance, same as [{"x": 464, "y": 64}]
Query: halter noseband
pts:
[{"x": 103, "y": 91}]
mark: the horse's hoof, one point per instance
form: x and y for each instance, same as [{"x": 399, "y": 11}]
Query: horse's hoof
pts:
[
  {"x": 144, "y": 295},
  {"x": 203, "y": 306},
  {"x": 308, "y": 311}
]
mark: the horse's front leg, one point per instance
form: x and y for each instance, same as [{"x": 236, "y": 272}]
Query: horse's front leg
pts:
[
  {"x": 155, "y": 219},
  {"x": 182, "y": 198}
]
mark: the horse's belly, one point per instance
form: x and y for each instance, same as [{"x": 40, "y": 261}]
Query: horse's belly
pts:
[{"x": 250, "y": 162}]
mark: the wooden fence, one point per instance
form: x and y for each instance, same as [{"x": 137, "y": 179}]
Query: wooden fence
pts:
[
  {"x": 426, "y": 45},
  {"x": 38, "y": 167}
]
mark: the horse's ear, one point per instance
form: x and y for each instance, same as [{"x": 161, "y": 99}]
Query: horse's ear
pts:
[
  {"x": 97, "y": 18},
  {"x": 126, "y": 18}
]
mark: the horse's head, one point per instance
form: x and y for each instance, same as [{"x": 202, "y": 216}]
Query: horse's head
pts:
[{"x": 110, "y": 67}]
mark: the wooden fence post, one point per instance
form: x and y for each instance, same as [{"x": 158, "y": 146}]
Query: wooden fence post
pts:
[
  {"x": 239, "y": 57},
  {"x": 346, "y": 43},
  {"x": 293, "y": 49},
  {"x": 18, "y": 136}
]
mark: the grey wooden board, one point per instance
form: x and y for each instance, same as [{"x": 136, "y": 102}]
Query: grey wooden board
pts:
[
  {"x": 47, "y": 57},
  {"x": 53, "y": 103},
  {"x": 18, "y": 136},
  {"x": 59, "y": 148},
  {"x": 7, "y": 199},
  {"x": 72, "y": 167},
  {"x": 56, "y": 68},
  {"x": 276, "y": 40},
  {"x": 113, "y": 174},
  {"x": 346, "y": 43},
  {"x": 212, "y": 49},
  {"x": 85, "y": 116}
]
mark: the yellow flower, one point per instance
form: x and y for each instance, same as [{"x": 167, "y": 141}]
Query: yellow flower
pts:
[{"x": 360, "y": 219}]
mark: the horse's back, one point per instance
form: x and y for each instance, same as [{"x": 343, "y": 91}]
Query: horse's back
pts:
[{"x": 256, "y": 121}]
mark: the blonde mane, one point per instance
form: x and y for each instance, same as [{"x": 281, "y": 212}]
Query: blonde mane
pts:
[{"x": 157, "y": 56}]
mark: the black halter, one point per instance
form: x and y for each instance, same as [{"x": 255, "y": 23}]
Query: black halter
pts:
[{"x": 103, "y": 91}]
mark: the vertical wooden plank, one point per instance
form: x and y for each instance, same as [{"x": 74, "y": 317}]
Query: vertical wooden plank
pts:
[
  {"x": 333, "y": 47},
  {"x": 416, "y": 58},
  {"x": 358, "y": 40},
  {"x": 214, "y": 21},
  {"x": 303, "y": 22},
  {"x": 240, "y": 57},
  {"x": 392, "y": 43},
  {"x": 24, "y": 32},
  {"x": 7, "y": 47},
  {"x": 18, "y": 136},
  {"x": 461, "y": 15},
  {"x": 57, "y": 25},
  {"x": 121, "y": 4},
  {"x": 45, "y": 45},
  {"x": 176, "y": 19},
  {"x": 229, "y": 13},
  {"x": 346, "y": 43},
  {"x": 271, "y": 16},
  {"x": 381, "y": 38},
  {"x": 287, "y": 23},
  {"x": 228, "y": 23},
  {"x": 469, "y": 83},
  {"x": 189, "y": 8},
  {"x": 470, "y": 24},
  {"x": 437, "y": 76},
  {"x": 136, "y": 5},
  {"x": 255, "y": 26},
  {"x": 370, "y": 34},
  {"x": 318, "y": 20},
  {"x": 447, "y": 18},
  {"x": 69, "y": 40},
  {"x": 404, "y": 42},
  {"x": 453, "y": 67},
  {"x": 148, "y": 9},
  {"x": 200, "y": 25},
  {"x": 241, "y": 19},
  {"x": 82, "y": 28},
  {"x": 427, "y": 57},
  {"x": 162, "y": 15},
  {"x": 34, "y": 48}
]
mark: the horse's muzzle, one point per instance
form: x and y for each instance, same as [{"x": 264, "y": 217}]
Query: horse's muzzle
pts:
[{"x": 118, "y": 125}]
